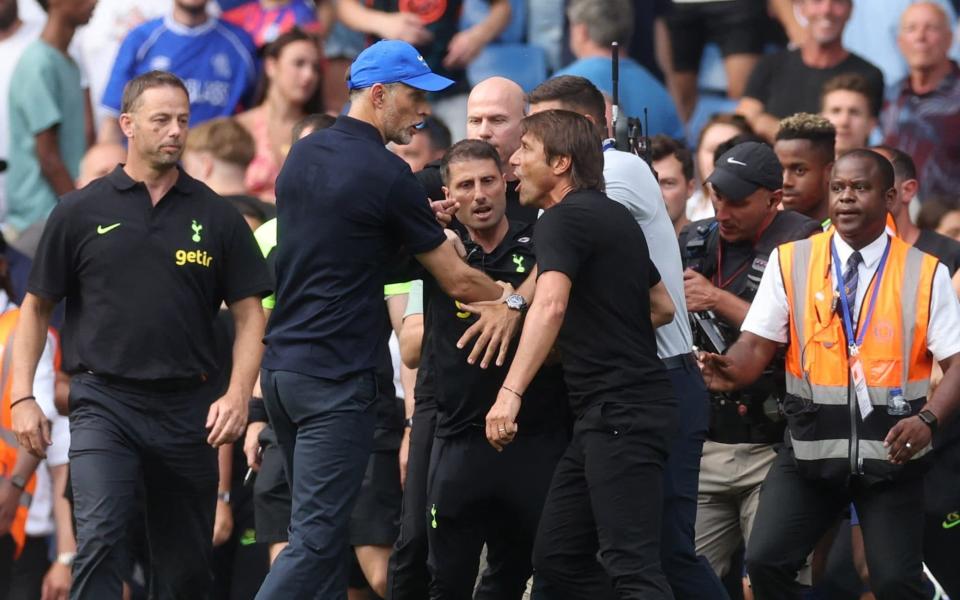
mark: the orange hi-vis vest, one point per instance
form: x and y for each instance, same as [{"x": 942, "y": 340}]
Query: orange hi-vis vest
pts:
[
  {"x": 830, "y": 439},
  {"x": 9, "y": 447}
]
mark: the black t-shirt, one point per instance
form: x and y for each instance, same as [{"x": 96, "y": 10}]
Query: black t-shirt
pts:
[
  {"x": 466, "y": 392},
  {"x": 430, "y": 178},
  {"x": 947, "y": 250},
  {"x": 347, "y": 207},
  {"x": 607, "y": 343},
  {"x": 785, "y": 85},
  {"x": 143, "y": 284}
]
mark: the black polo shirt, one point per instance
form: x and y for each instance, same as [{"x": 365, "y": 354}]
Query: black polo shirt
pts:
[
  {"x": 465, "y": 392},
  {"x": 607, "y": 341},
  {"x": 346, "y": 208},
  {"x": 143, "y": 283}
]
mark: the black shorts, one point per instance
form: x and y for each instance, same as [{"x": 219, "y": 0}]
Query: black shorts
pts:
[
  {"x": 375, "y": 520},
  {"x": 737, "y": 26},
  {"x": 271, "y": 494}
]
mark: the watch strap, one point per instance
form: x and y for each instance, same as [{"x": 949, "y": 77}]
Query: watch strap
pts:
[{"x": 930, "y": 419}]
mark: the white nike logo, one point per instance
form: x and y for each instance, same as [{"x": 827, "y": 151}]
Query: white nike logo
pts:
[{"x": 734, "y": 161}]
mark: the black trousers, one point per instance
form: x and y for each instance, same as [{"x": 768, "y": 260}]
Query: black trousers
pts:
[
  {"x": 941, "y": 536},
  {"x": 606, "y": 497},
  {"x": 795, "y": 512},
  {"x": 477, "y": 495},
  {"x": 690, "y": 576},
  {"x": 26, "y": 579},
  {"x": 120, "y": 434},
  {"x": 407, "y": 576}
]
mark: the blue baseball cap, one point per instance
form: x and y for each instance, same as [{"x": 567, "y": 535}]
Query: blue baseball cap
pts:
[{"x": 394, "y": 61}]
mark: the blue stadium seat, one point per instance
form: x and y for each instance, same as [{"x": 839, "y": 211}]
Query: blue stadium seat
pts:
[{"x": 522, "y": 63}]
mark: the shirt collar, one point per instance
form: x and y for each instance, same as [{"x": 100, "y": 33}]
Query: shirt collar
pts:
[
  {"x": 181, "y": 29},
  {"x": 123, "y": 182},
  {"x": 945, "y": 84},
  {"x": 871, "y": 253},
  {"x": 358, "y": 128}
]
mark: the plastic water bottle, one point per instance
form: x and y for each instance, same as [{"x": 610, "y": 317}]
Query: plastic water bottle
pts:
[{"x": 897, "y": 404}]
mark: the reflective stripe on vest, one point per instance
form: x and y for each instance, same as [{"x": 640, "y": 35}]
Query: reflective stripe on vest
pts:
[{"x": 894, "y": 352}]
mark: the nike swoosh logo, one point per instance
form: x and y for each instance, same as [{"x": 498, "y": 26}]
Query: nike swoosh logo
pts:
[
  {"x": 734, "y": 161},
  {"x": 102, "y": 230},
  {"x": 950, "y": 524}
]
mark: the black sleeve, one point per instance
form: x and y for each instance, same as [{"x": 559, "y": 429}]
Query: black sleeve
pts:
[
  {"x": 54, "y": 265},
  {"x": 761, "y": 79},
  {"x": 653, "y": 273},
  {"x": 875, "y": 80},
  {"x": 244, "y": 273},
  {"x": 429, "y": 178},
  {"x": 410, "y": 217},
  {"x": 562, "y": 240}
]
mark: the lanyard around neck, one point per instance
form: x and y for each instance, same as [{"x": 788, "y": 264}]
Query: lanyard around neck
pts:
[{"x": 847, "y": 310}]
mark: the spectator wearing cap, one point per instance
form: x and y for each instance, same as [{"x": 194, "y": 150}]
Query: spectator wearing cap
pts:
[
  {"x": 347, "y": 208},
  {"x": 724, "y": 258},
  {"x": 214, "y": 59},
  {"x": 594, "y": 25},
  {"x": 790, "y": 81},
  {"x": 922, "y": 114},
  {"x": 47, "y": 123}
]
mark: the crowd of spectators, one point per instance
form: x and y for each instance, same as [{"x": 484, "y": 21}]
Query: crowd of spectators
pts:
[{"x": 698, "y": 74}]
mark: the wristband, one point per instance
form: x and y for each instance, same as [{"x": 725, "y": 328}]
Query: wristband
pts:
[
  {"x": 19, "y": 400},
  {"x": 257, "y": 411},
  {"x": 514, "y": 392},
  {"x": 66, "y": 558},
  {"x": 224, "y": 497},
  {"x": 408, "y": 423}
]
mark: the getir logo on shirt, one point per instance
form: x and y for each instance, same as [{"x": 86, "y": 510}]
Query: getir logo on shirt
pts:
[{"x": 194, "y": 257}]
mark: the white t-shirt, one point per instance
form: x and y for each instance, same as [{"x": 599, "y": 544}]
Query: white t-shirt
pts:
[
  {"x": 11, "y": 49},
  {"x": 769, "y": 313},
  {"x": 630, "y": 182}
]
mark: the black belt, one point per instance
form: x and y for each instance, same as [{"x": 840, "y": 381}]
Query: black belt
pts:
[
  {"x": 680, "y": 361},
  {"x": 174, "y": 384}
]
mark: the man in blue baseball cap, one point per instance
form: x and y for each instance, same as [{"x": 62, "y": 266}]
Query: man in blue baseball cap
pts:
[{"x": 346, "y": 208}]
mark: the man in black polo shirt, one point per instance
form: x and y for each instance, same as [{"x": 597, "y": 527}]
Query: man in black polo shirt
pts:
[
  {"x": 475, "y": 495},
  {"x": 599, "y": 298},
  {"x": 347, "y": 207},
  {"x": 144, "y": 257}
]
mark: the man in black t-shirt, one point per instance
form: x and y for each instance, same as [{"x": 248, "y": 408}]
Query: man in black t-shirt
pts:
[
  {"x": 791, "y": 81},
  {"x": 599, "y": 298},
  {"x": 476, "y": 496},
  {"x": 144, "y": 258}
]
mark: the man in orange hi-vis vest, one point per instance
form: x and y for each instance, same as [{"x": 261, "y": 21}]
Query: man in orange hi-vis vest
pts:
[{"x": 863, "y": 315}]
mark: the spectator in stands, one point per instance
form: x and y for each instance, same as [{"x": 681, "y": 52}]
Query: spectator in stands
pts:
[
  {"x": 937, "y": 215},
  {"x": 720, "y": 128},
  {"x": 213, "y": 58},
  {"x": 594, "y": 25},
  {"x": 736, "y": 27},
  {"x": 790, "y": 81},
  {"x": 47, "y": 123},
  {"x": 431, "y": 141},
  {"x": 218, "y": 153},
  {"x": 673, "y": 163},
  {"x": 289, "y": 90},
  {"x": 15, "y": 35},
  {"x": 922, "y": 115},
  {"x": 267, "y": 20},
  {"x": 100, "y": 160},
  {"x": 433, "y": 28},
  {"x": 846, "y": 103},
  {"x": 805, "y": 149}
]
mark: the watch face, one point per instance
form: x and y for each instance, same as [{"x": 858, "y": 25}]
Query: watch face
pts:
[{"x": 516, "y": 302}]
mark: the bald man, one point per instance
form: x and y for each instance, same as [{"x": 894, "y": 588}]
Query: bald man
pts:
[
  {"x": 495, "y": 108},
  {"x": 922, "y": 112}
]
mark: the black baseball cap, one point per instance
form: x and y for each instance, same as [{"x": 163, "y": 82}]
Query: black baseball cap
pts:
[{"x": 743, "y": 169}]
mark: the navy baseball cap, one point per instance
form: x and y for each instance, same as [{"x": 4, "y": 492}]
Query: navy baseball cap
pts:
[
  {"x": 394, "y": 61},
  {"x": 745, "y": 168}
]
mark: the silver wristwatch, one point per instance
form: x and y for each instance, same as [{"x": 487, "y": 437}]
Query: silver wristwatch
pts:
[{"x": 516, "y": 302}]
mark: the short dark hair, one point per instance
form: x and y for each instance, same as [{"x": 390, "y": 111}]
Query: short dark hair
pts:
[
  {"x": 575, "y": 93},
  {"x": 903, "y": 165},
  {"x": 850, "y": 82},
  {"x": 736, "y": 140},
  {"x": 315, "y": 121},
  {"x": 138, "y": 85},
  {"x": 468, "y": 150},
  {"x": 438, "y": 132},
  {"x": 887, "y": 177},
  {"x": 566, "y": 133},
  {"x": 662, "y": 146},
  {"x": 817, "y": 130}
]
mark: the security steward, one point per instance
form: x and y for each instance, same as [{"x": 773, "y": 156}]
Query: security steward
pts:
[
  {"x": 724, "y": 259},
  {"x": 863, "y": 315},
  {"x": 476, "y": 495},
  {"x": 144, "y": 258}
]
